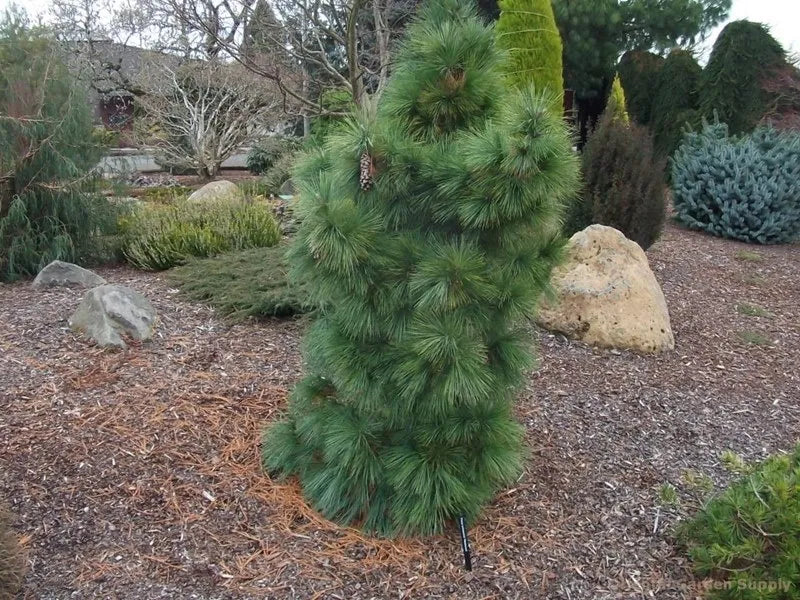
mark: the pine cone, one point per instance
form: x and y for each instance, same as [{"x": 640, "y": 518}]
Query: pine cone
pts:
[{"x": 367, "y": 171}]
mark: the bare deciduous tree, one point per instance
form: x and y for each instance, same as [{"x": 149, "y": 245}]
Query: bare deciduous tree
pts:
[
  {"x": 337, "y": 43},
  {"x": 302, "y": 47},
  {"x": 201, "y": 113}
]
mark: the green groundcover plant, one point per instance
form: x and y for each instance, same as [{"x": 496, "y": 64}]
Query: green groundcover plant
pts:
[
  {"x": 745, "y": 188},
  {"x": 747, "y": 539},
  {"x": 429, "y": 228},
  {"x": 249, "y": 283}
]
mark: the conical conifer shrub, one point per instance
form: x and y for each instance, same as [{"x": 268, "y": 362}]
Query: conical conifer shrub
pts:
[
  {"x": 429, "y": 229},
  {"x": 527, "y": 30}
]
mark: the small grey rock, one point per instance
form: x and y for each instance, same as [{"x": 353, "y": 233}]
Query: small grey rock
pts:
[
  {"x": 109, "y": 312},
  {"x": 64, "y": 273}
]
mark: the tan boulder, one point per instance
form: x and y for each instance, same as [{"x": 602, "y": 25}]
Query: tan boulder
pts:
[
  {"x": 606, "y": 295},
  {"x": 221, "y": 191}
]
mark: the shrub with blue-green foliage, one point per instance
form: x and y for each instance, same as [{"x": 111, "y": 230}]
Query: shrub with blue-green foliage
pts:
[{"x": 745, "y": 188}]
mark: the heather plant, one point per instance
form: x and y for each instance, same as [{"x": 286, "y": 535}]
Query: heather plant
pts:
[
  {"x": 160, "y": 237},
  {"x": 47, "y": 151},
  {"x": 429, "y": 228},
  {"x": 527, "y": 30},
  {"x": 623, "y": 182},
  {"x": 747, "y": 538},
  {"x": 745, "y": 188}
]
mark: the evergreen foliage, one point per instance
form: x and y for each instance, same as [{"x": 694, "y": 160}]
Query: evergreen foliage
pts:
[
  {"x": 638, "y": 73},
  {"x": 597, "y": 32},
  {"x": 745, "y": 188},
  {"x": 267, "y": 151},
  {"x": 427, "y": 234},
  {"x": 239, "y": 285},
  {"x": 337, "y": 103},
  {"x": 47, "y": 149},
  {"x": 744, "y": 56},
  {"x": 624, "y": 181},
  {"x": 280, "y": 172},
  {"x": 616, "y": 102},
  {"x": 676, "y": 100},
  {"x": 12, "y": 565},
  {"x": 527, "y": 30},
  {"x": 749, "y": 536},
  {"x": 160, "y": 237}
]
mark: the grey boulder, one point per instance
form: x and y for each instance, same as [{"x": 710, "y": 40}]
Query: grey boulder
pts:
[
  {"x": 64, "y": 273},
  {"x": 109, "y": 313}
]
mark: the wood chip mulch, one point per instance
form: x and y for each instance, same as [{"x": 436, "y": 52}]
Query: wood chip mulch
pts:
[{"x": 136, "y": 475}]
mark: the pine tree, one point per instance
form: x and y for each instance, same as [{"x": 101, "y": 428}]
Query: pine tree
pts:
[
  {"x": 46, "y": 153},
  {"x": 429, "y": 229},
  {"x": 676, "y": 100},
  {"x": 527, "y": 30}
]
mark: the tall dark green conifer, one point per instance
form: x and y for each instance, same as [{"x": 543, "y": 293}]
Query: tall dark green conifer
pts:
[
  {"x": 676, "y": 100},
  {"x": 638, "y": 72},
  {"x": 744, "y": 57},
  {"x": 429, "y": 230}
]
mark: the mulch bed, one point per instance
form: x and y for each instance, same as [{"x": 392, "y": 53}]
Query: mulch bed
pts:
[{"x": 135, "y": 474}]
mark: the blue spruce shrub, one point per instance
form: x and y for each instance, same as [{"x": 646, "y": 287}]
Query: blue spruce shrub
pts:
[{"x": 745, "y": 188}]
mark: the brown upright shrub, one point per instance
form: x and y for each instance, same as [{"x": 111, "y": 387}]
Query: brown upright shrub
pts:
[{"x": 624, "y": 180}]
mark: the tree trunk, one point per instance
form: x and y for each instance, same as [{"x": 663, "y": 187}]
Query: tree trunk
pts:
[
  {"x": 353, "y": 67},
  {"x": 6, "y": 194}
]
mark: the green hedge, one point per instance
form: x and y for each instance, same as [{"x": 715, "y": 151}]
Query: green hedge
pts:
[{"x": 162, "y": 236}]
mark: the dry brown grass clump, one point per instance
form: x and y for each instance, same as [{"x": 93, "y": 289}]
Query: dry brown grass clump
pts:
[{"x": 12, "y": 563}]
